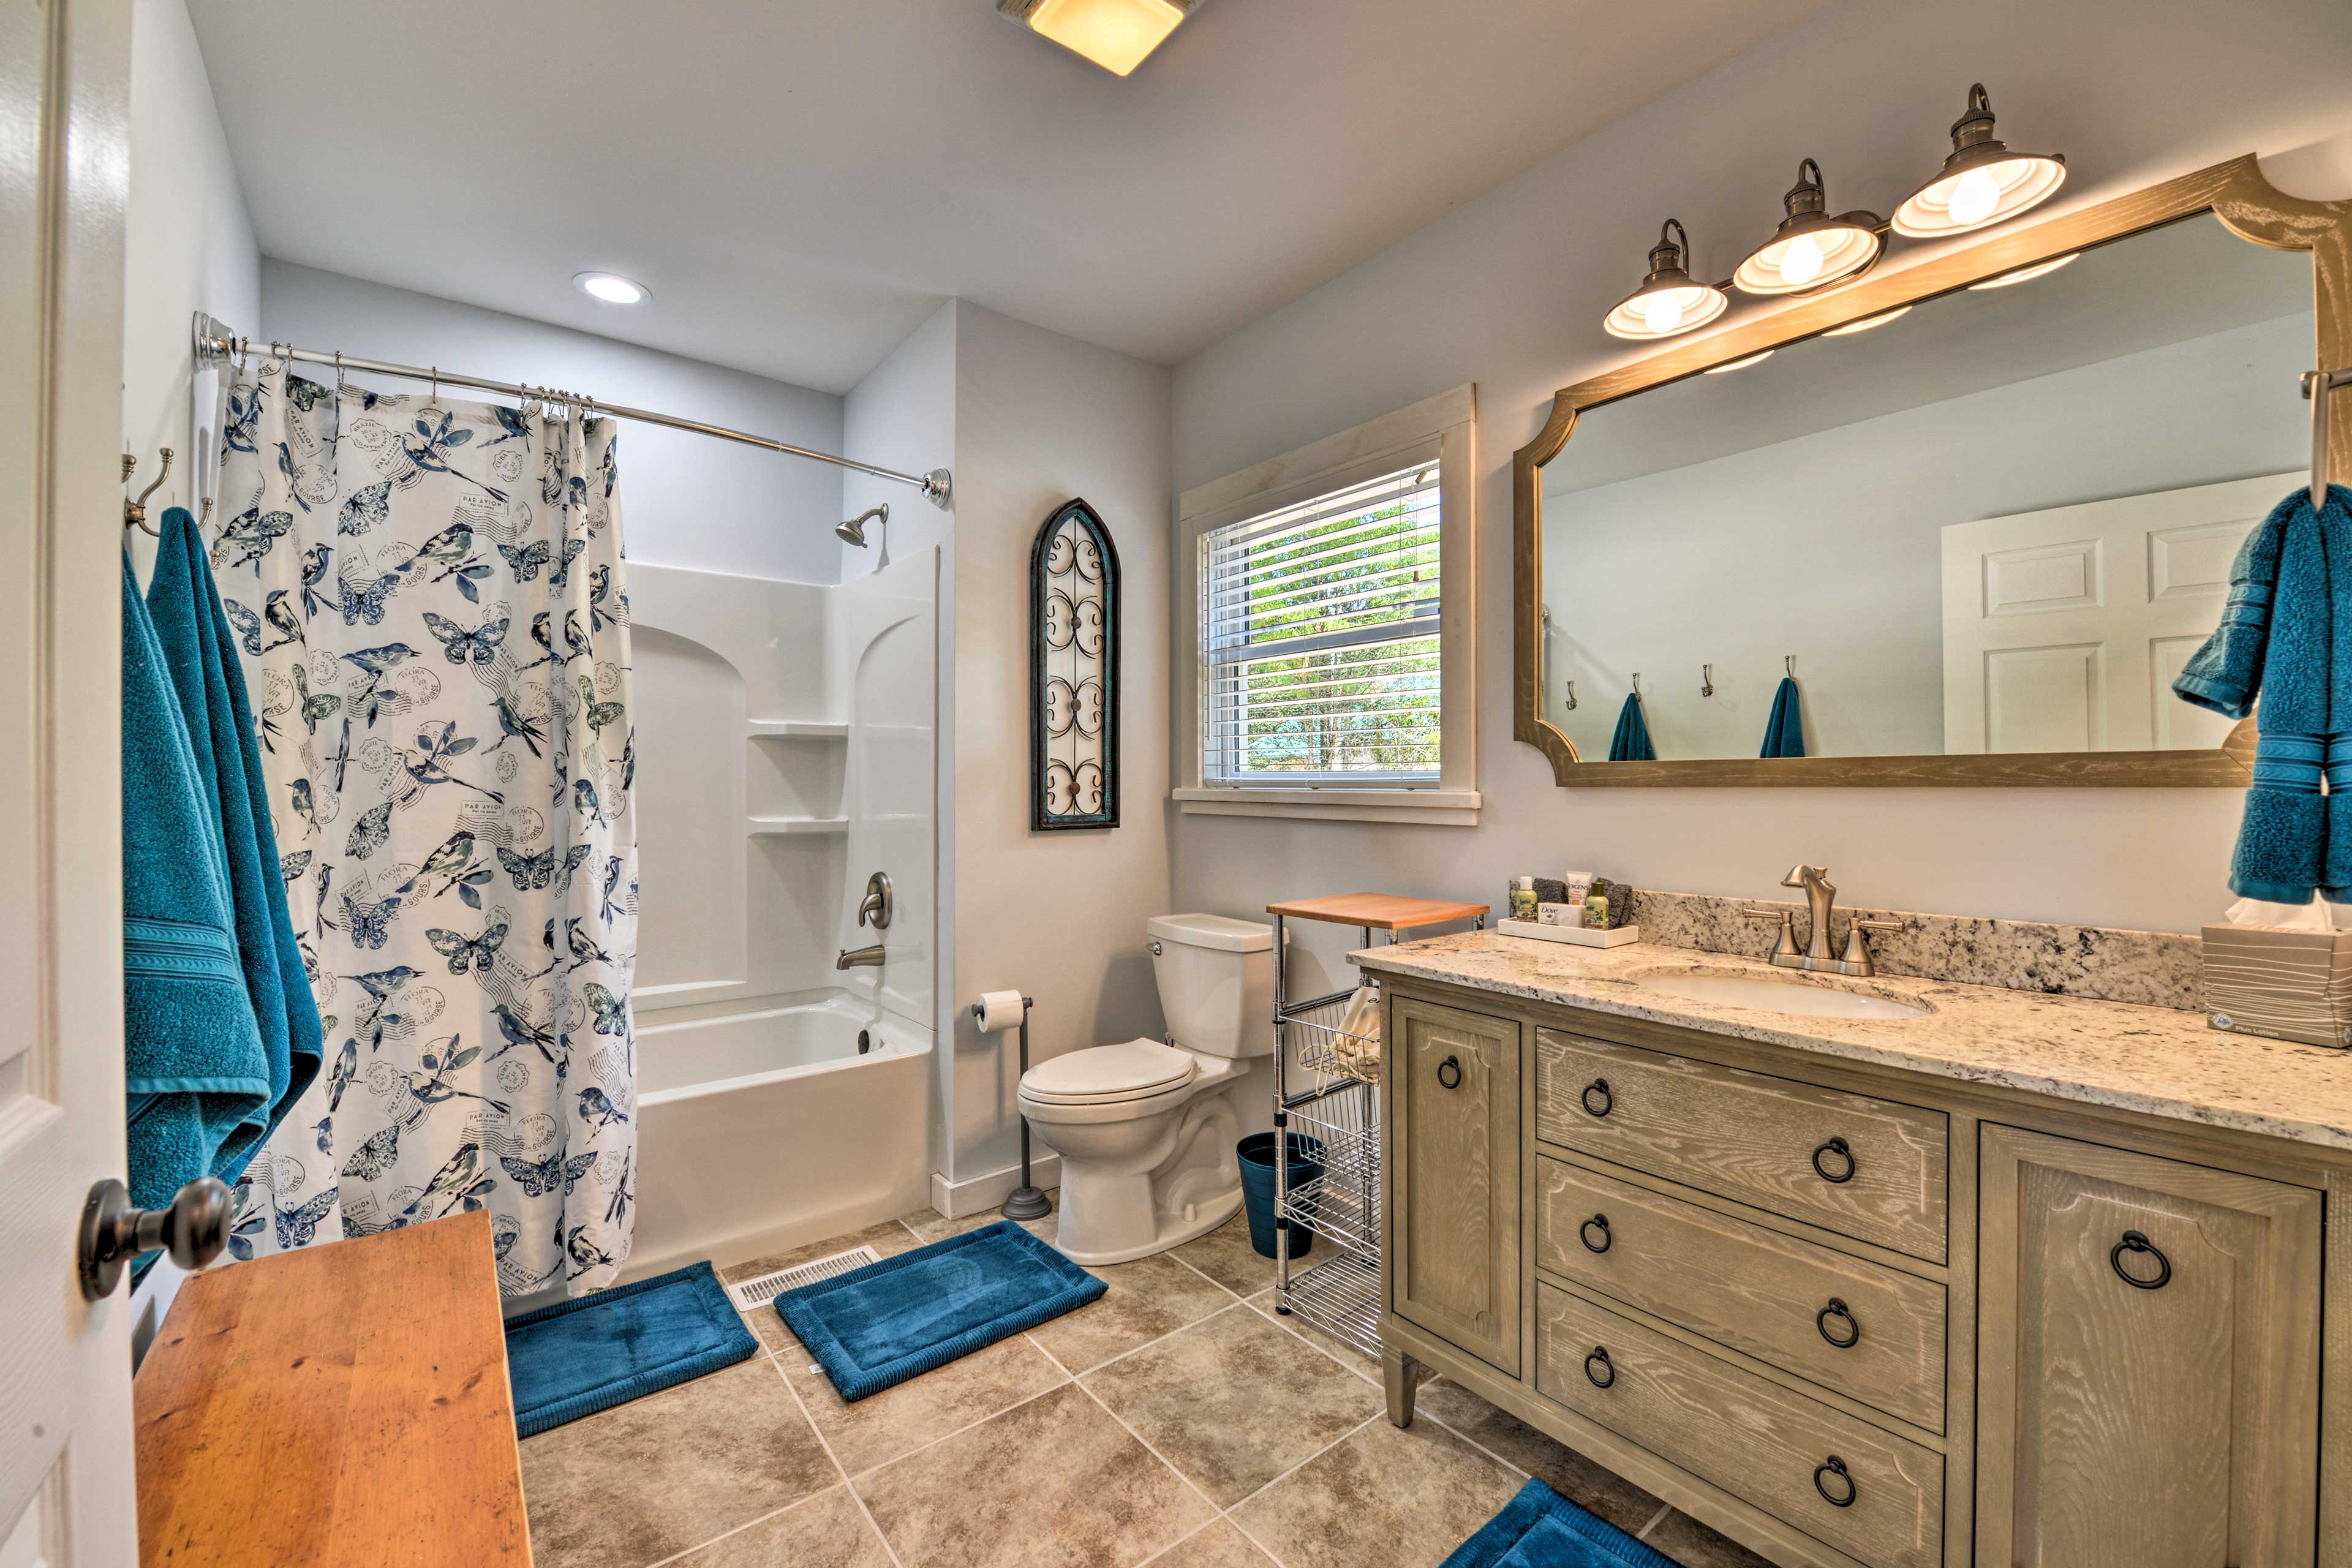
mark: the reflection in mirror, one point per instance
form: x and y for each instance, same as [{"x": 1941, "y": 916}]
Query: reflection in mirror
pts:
[{"x": 1998, "y": 522}]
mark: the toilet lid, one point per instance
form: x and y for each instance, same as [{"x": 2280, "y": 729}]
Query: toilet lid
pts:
[{"x": 1102, "y": 1073}]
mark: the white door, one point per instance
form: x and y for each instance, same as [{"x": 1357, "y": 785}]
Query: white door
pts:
[
  {"x": 67, "y": 1497},
  {"x": 2063, "y": 629}
]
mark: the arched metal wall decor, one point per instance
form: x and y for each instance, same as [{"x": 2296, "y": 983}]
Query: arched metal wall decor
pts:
[{"x": 1073, "y": 672}]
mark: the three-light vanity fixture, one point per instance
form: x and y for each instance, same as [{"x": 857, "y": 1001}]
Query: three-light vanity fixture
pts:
[{"x": 1981, "y": 183}]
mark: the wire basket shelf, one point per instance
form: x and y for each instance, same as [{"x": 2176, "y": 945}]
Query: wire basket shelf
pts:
[
  {"x": 1341, "y": 1296},
  {"x": 1331, "y": 1055}
]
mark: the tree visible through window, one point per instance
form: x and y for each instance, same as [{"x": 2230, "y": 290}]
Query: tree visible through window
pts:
[{"x": 1319, "y": 638}]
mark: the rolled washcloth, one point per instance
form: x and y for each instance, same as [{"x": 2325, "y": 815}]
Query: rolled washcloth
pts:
[
  {"x": 1357, "y": 1043},
  {"x": 2286, "y": 637}
]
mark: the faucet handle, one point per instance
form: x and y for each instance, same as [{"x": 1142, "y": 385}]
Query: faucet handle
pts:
[
  {"x": 1857, "y": 951},
  {"x": 1787, "y": 926}
]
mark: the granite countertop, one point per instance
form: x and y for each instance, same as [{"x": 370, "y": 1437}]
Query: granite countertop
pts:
[{"x": 2150, "y": 1060}]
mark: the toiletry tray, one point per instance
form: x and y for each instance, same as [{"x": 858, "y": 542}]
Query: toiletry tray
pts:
[{"x": 1573, "y": 936}]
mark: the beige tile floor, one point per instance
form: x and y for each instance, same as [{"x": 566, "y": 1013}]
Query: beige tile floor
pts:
[{"x": 1176, "y": 1422}]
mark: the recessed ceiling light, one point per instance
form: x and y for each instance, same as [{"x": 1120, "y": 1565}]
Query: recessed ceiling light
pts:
[
  {"x": 2038, "y": 269},
  {"x": 1741, "y": 364},
  {"x": 1116, "y": 35},
  {"x": 1867, "y": 323},
  {"x": 610, "y": 288}
]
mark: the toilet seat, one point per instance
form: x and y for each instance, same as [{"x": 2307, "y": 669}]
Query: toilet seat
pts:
[{"x": 1109, "y": 1075}]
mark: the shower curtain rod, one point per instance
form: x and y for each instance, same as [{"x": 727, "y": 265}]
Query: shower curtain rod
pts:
[{"x": 213, "y": 342}]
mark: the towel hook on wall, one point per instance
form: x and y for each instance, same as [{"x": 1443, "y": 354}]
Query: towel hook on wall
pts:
[
  {"x": 2316, "y": 385},
  {"x": 1789, "y": 663},
  {"x": 134, "y": 512},
  {"x": 1637, "y": 683},
  {"x": 1707, "y": 680},
  {"x": 1571, "y": 696}
]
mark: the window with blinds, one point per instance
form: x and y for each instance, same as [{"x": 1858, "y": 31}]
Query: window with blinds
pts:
[{"x": 1319, "y": 639}]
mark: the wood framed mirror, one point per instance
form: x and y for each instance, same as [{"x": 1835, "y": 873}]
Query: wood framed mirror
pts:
[{"x": 1980, "y": 541}]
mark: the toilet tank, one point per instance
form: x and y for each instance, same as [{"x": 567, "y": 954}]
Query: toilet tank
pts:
[{"x": 1216, "y": 983}]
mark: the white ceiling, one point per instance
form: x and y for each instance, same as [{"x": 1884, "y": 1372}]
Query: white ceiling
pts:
[{"x": 801, "y": 181}]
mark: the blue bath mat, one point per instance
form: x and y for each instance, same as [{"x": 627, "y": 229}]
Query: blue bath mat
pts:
[
  {"x": 578, "y": 1357},
  {"x": 1542, "y": 1529},
  {"x": 878, "y": 1326}
]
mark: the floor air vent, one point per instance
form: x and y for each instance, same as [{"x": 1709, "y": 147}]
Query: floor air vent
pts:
[{"x": 758, "y": 1292}]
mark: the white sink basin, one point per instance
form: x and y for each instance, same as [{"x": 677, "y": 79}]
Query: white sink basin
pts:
[{"x": 1769, "y": 993}]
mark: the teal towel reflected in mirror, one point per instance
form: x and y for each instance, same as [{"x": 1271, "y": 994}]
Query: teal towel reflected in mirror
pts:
[
  {"x": 1632, "y": 741},
  {"x": 1784, "y": 731}
]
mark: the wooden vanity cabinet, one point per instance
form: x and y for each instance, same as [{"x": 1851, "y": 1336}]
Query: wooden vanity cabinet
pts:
[
  {"x": 2149, "y": 1359},
  {"x": 1858, "y": 1317}
]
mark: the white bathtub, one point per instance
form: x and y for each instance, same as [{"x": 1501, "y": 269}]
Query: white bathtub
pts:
[{"x": 762, "y": 1130}]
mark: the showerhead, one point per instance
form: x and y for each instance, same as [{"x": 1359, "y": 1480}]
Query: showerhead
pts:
[{"x": 854, "y": 531}]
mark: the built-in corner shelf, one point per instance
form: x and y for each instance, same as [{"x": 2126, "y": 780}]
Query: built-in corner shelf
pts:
[
  {"x": 797, "y": 729},
  {"x": 796, "y": 827}
]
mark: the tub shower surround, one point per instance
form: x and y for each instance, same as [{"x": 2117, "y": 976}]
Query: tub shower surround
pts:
[{"x": 2147, "y": 969}]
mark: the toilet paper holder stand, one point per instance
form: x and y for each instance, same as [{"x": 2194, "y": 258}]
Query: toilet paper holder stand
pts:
[{"x": 1025, "y": 1200}]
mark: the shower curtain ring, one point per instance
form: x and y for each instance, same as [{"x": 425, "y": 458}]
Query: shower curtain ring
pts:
[
  {"x": 436, "y": 387},
  {"x": 338, "y": 373}
]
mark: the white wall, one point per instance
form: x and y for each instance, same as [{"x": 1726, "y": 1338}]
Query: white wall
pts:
[
  {"x": 1830, "y": 546},
  {"x": 1509, "y": 291},
  {"x": 688, "y": 499},
  {"x": 1040, "y": 419},
  {"x": 188, "y": 247}
]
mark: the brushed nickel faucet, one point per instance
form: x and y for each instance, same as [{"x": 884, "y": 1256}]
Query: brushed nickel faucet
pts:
[
  {"x": 1820, "y": 902},
  {"x": 860, "y": 958}
]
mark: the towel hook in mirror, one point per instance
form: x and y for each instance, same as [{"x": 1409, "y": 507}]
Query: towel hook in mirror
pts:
[
  {"x": 1637, "y": 683},
  {"x": 2316, "y": 385},
  {"x": 1789, "y": 663},
  {"x": 134, "y": 512},
  {"x": 1707, "y": 680},
  {"x": 1571, "y": 696}
]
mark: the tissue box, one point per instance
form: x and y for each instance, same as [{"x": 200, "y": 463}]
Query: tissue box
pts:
[{"x": 2283, "y": 984}]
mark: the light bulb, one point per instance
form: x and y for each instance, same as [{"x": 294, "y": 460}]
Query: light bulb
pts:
[
  {"x": 1662, "y": 312},
  {"x": 1974, "y": 196},
  {"x": 1801, "y": 260}
]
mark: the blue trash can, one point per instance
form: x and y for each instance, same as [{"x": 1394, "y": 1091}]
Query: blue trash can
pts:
[{"x": 1256, "y": 1153}]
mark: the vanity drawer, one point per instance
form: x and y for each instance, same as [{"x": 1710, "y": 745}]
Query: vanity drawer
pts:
[
  {"x": 1868, "y": 1330},
  {"x": 1779, "y": 1450},
  {"x": 1863, "y": 1167}
]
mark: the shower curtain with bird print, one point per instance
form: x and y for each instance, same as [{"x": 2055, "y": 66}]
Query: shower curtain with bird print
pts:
[{"x": 435, "y": 625}]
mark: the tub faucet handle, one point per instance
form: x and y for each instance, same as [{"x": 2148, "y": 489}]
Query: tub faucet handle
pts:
[{"x": 877, "y": 903}]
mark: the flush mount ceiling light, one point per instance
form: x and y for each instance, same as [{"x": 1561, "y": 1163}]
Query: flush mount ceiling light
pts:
[
  {"x": 1810, "y": 248},
  {"x": 2039, "y": 269},
  {"x": 1981, "y": 182},
  {"x": 1868, "y": 322},
  {"x": 1741, "y": 364},
  {"x": 1669, "y": 300},
  {"x": 610, "y": 288},
  {"x": 1116, "y": 35}
]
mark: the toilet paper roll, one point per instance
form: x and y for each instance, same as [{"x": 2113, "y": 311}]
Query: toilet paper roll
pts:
[{"x": 997, "y": 1010}]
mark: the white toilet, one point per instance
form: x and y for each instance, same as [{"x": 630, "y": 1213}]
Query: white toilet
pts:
[{"x": 1146, "y": 1131}]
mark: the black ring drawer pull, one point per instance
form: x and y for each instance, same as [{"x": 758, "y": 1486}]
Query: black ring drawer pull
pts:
[
  {"x": 1852, "y": 1334},
  {"x": 1600, "y": 1353},
  {"x": 1835, "y": 1146},
  {"x": 1453, "y": 1065},
  {"x": 1584, "y": 1232},
  {"x": 2134, "y": 1241},
  {"x": 1834, "y": 1465},
  {"x": 1598, "y": 1086}
]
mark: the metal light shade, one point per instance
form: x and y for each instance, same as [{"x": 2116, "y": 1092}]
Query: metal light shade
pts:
[
  {"x": 1810, "y": 248},
  {"x": 1981, "y": 182},
  {"x": 1669, "y": 301}
]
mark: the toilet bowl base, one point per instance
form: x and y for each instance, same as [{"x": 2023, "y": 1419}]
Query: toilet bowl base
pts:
[{"x": 1210, "y": 1216}]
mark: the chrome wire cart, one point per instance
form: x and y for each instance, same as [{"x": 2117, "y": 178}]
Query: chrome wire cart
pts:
[{"x": 1326, "y": 1089}]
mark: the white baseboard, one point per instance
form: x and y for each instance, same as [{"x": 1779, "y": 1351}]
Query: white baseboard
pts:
[{"x": 954, "y": 1200}]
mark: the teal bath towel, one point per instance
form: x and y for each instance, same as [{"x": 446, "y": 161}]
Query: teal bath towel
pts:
[
  {"x": 1784, "y": 731},
  {"x": 198, "y": 1083},
  {"x": 1632, "y": 741},
  {"x": 200, "y": 652},
  {"x": 2286, "y": 637}
]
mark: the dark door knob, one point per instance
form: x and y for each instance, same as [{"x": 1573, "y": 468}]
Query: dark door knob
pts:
[{"x": 193, "y": 1229}]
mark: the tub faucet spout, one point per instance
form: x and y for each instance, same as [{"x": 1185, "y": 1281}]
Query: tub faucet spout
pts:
[{"x": 860, "y": 958}]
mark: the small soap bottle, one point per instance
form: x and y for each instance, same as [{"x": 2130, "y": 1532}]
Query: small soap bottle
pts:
[
  {"x": 1523, "y": 898},
  {"x": 1596, "y": 910}
]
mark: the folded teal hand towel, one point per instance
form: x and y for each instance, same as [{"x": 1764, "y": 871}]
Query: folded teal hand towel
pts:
[
  {"x": 197, "y": 1081},
  {"x": 1632, "y": 741},
  {"x": 200, "y": 652},
  {"x": 2286, "y": 637},
  {"x": 1784, "y": 729}
]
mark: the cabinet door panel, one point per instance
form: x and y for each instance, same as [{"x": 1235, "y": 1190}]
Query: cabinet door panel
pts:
[
  {"x": 2169, "y": 1419},
  {"x": 1454, "y": 1086}
]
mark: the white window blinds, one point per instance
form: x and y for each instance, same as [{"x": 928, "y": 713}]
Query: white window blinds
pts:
[{"x": 1319, "y": 639}]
